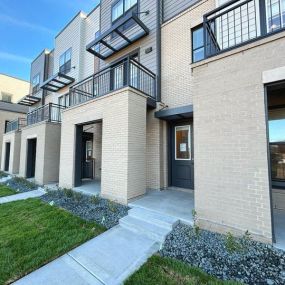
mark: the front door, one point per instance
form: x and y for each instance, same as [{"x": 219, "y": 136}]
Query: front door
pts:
[
  {"x": 7, "y": 156},
  {"x": 31, "y": 158},
  {"x": 182, "y": 163}
]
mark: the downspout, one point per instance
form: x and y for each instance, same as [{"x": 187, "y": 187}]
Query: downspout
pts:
[
  {"x": 45, "y": 77},
  {"x": 158, "y": 48}
]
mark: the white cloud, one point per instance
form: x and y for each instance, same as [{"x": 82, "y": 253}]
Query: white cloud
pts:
[
  {"x": 14, "y": 57},
  {"x": 24, "y": 24}
]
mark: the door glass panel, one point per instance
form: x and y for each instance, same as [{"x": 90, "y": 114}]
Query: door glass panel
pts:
[
  {"x": 277, "y": 143},
  {"x": 182, "y": 143}
]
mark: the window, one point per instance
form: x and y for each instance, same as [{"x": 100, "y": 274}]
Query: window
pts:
[
  {"x": 65, "y": 62},
  {"x": 182, "y": 143},
  {"x": 198, "y": 49},
  {"x": 36, "y": 83},
  {"x": 121, "y": 7},
  {"x": 275, "y": 11},
  {"x": 97, "y": 47},
  {"x": 6, "y": 97}
]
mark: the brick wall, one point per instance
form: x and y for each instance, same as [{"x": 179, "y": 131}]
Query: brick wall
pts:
[
  {"x": 47, "y": 152},
  {"x": 231, "y": 163},
  {"x": 14, "y": 138},
  {"x": 123, "y": 116}
]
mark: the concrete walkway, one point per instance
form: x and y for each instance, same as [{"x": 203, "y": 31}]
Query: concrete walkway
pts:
[
  {"x": 112, "y": 256},
  {"x": 22, "y": 196}
]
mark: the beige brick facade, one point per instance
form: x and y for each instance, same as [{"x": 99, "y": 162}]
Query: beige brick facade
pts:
[
  {"x": 123, "y": 116},
  {"x": 47, "y": 152},
  {"x": 176, "y": 74},
  {"x": 14, "y": 138},
  {"x": 231, "y": 163}
]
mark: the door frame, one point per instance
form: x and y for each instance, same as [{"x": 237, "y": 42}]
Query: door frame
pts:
[
  {"x": 30, "y": 172},
  {"x": 171, "y": 129}
]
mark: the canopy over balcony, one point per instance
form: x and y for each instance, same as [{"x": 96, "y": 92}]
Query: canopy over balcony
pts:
[
  {"x": 123, "y": 33},
  {"x": 29, "y": 100},
  {"x": 57, "y": 82}
]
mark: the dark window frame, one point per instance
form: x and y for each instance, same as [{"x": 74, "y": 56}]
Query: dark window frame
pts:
[
  {"x": 65, "y": 68},
  {"x": 36, "y": 87},
  {"x": 125, "y": 12},
  {"x": 198, "y": 27}
]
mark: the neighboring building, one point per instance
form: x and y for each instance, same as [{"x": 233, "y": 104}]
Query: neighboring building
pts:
[
  {"x": 178, "y": 94},
  {"x": 12, "y": 89},
  {"x": 12, "y": 117},
  {"x": 52, "y": 73}
]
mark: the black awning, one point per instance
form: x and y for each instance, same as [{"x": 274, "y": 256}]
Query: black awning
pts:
[
  {"x": 123, "y": 33},
  {"x": 57, "y": 82},
  {"x": 183, "y": 112},
  {"x": 29, "y": 100}
]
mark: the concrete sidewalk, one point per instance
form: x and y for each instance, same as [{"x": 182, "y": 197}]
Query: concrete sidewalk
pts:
[
  {"x": 110, "y": 257},
  {"x": 22, "y": 196}
]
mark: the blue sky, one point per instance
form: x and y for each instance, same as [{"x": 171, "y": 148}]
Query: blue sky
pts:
[{"x": 27, "y": 27}]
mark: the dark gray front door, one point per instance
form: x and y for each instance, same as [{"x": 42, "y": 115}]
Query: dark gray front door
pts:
[
  {"x": 182, "y": 163},
  {"x": 7, "y": 156},
  {"x": 31, "y": 158}
]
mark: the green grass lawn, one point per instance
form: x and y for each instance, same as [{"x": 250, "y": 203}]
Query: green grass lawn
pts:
[
  {"x": 6, "y": 191},
  {"x": 33, "y": 233},
  {"x": 165, "y": 271}
]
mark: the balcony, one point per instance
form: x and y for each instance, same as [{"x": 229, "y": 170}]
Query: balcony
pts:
[
  {"x": 128, "y": 73},
  {"x": 49, "y": 112},
  {"x": 15, "y": 125},
  {"x": 240, "y": 22}
]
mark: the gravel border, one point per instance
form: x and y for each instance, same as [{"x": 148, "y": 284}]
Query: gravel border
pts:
[
  {"x": 20, "y": 185},
  {"x": 226, "y": 257},
  {"x": 90, "y": 208}
]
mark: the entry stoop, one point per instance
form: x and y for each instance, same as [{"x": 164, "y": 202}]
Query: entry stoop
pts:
[{"x": 149, "y": 223}]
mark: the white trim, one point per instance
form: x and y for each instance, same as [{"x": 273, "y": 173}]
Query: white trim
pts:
[{"x": 189, "y": 142}]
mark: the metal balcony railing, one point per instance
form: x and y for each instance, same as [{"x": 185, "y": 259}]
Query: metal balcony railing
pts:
[
  {"x": 127, "y": 73},
  {"x": 16, "y": 125},
  {"x": 240, "y": 22},
  {"x": 49, "y": 112}
]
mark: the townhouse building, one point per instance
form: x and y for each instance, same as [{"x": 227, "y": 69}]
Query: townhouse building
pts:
[{"x": 147, "y": 95}]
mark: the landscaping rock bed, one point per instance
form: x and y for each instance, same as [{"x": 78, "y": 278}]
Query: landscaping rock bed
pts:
[
  {"x": 91, "y": 208},
  {"x": 226, "y": 257},
  {"x": 21, "y": 185}
]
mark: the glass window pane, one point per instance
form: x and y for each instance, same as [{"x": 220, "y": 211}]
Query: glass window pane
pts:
[
  {"x": 198, "y": 38},
  {"x": 68, "y": 55},
  {"x": 117, "y": 10},
  {"x": 277, "y": 152},
  {"x": 198, "y": 54},
  {"x": 182, "y": 143},
  {"x": 129, "y": 4},
  {"x": 61, "y": 60}
]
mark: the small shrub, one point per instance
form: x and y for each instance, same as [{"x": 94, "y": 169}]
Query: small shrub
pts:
[
  {"x": 68, "y": 192},
  {"x": 231, "y": 243},
  {"x": 95, "y": 199},
  {"x": 195, "y": 226},
  {"x": 24, "y": 182},
  {"x": 112, "y": 206},
  {"x": 77, "y": 196},
  {"x": 3, "y": 174}
]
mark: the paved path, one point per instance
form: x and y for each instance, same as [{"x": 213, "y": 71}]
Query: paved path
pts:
[
  {"x": 22, "y": 196},
  {"x": 111, "y": 257}
]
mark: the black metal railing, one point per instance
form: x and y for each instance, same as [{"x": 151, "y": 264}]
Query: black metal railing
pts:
[
  {"x": 240, "y": 22},
  {"x": 50, "y": 112},
  {"x": 16, "y": 125},
  {"x": 127, "y": 73}
]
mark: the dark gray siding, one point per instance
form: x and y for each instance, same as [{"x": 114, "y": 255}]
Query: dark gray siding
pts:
[
  {"x": 149, "y": 60},
  {"x": 172, "y": 8}
]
